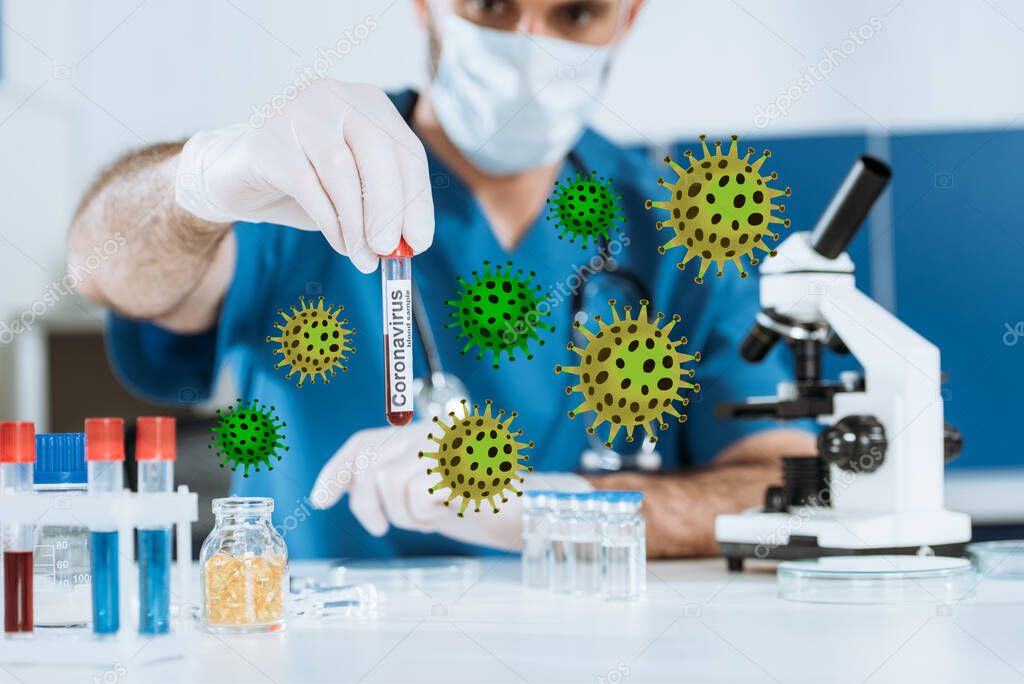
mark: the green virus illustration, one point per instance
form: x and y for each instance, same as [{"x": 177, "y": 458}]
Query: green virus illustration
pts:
[
  {"x": 500, "y": 311},
  {"x": 313, "y": 341},
  {"x": 720, "y": 208},
  {"x": 587, "y": 207},
  {"x": 248, "y": 435},
  {"x": 478, "y": 457},
  {"x": 631, "y": 372}
]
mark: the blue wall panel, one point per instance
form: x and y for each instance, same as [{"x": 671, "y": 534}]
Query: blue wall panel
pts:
[{"x": 959, "y": 239}]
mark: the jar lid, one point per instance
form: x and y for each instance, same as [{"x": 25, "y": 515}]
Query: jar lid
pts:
[
  {"x": 243, "y": 504},
  {"x": 60, "y": 459}
]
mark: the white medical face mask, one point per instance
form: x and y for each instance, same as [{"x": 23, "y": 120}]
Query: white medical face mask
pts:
[{"x": 511, "y": 101}]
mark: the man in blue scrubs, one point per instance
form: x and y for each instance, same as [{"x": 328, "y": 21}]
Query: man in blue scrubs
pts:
[{"x": 221, "y": 232}]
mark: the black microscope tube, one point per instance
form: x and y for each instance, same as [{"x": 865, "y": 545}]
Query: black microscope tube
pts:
[{"x": 851, "y": 203}]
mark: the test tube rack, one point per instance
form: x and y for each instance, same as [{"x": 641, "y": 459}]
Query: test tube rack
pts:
[{"x": 126, "y": 512}]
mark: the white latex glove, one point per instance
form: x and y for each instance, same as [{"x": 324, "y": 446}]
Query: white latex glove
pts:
[
  {"x": 388, "y": 485},
  {"x": 338, "y": 158}
]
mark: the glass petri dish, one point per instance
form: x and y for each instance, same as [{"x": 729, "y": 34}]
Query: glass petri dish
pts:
[
  {"x": 876, "y": 580},
  {"x": 408, "y": 575},
  {"x": 1004, "y": 558}
]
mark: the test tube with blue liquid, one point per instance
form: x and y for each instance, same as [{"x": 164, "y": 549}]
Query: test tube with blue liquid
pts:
[
  {"x": 155, "y": 454},
  {"x": 104, "y": 455}
]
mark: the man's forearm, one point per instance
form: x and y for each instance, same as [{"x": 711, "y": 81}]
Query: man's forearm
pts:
[
  {"x": 680, "y": 509},
  {"x": 164, "y": 252}
]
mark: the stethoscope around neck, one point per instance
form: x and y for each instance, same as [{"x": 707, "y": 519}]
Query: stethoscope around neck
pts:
[{"x": 439, "y": 392}]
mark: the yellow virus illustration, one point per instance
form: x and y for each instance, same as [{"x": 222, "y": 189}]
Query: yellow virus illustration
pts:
[
  {"x": 478, "y": 457},
  {"x": 631, "y": 372},
  {"x": 720, "y": 208},
  {"x": 313, "y": 341}
]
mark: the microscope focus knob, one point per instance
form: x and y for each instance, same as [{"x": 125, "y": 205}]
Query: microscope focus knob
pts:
[
  {"x": 952, "y": 442},
  {"x": 855, "y": 443}
]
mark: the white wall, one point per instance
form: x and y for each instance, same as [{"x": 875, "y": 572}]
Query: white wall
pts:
[{"x": 85, "y": 80}]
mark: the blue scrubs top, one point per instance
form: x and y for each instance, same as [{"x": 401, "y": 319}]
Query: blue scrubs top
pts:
[{"x": 276, "y": 264}]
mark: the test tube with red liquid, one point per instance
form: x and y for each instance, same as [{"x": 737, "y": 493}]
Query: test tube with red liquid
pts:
[
  {"x": 17, "y": 462},
  {"x": 396, "y": 294}
]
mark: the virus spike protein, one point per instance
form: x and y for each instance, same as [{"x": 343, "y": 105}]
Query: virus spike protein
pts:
[
  {"x": 248, "y": 435},
  {"x": 720, "y": 208},
  {"x": 478, "y": 457},
  {"x": 631, "y": 372},
  {"x": 313, "y": 341},
  {"x": 586, "y": 207},
  {"x": 499, "y": 311}
]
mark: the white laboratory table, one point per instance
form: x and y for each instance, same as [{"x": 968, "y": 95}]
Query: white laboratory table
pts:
[{"x": 697, "y": 623}]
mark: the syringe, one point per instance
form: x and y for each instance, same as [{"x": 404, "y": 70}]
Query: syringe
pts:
[{"x": 396, "y": 294}]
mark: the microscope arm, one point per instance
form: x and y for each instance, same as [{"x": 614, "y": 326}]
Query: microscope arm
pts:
[{"x": 902, "y": 390}]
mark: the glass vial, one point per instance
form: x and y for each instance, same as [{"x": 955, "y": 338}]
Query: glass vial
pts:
[
  {"x": 17, "y": 459},
  {"x": 623, "y": 546},
  {"x": 396, "y": 296},
  {"x": 586, "y": 544},
  {"x": 61, "y": 574},
  {"x": 244, "y": 569},
  {"x": 155, "y": 452},
  {"x": 535, "y": 538},
  {"x": 562, "y": 557},
  {"x": 104, "y": 457}
]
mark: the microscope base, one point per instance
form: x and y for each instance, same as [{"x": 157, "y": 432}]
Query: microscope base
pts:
[{"x": 812, "y": 533}]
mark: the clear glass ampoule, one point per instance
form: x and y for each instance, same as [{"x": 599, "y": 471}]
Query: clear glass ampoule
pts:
[
  {"x": 396, "y": 295},
  {"x": 535, "y": 538},
  {"x": 562, "y": 558},
  {"x": 623, "y": 546}
]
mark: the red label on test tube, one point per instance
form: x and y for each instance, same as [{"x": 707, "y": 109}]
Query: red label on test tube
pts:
[{"x": 396, "y": 294}]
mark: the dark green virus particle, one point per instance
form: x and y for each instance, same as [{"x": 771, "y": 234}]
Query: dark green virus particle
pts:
[
  {"x": 631, "y": 372},
  {"x": 248, "y": 435},
  {"x": 499, "y": 311},
  {"x": 586, "y": 207},
  {"x": 478, "y": 457},
  {"x": 720, "y": 208},
  {"x": 313, "y": 341}
]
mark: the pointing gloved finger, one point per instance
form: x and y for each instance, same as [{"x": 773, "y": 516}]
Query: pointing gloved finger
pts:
[
  {"x": 336, "y": 169},
  {"x": 365, "y": 504},
  {"x": 418, "y": 224},
  {"x": 383, "y": 199},
  {"x": 336, "y": 475},
  {"x": 426, "y": 509},
  {"x": 299, "y": 181},
  {"x": 392, "y": 490}
]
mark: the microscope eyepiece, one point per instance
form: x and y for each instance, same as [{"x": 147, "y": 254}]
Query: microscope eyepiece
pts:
[
  {"x": 852, "y": 202},
  {"x": 758, "y": 342}
]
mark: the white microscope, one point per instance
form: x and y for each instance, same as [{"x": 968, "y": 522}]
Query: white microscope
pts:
[{"x": 876, "y": 485}]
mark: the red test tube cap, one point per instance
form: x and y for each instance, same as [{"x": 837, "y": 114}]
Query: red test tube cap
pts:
[
  {"x": 104, "y": 439},
  {"x": 17, "y": 442},
  {"x": 403, "y": 250},
  {"x": 154, "y": 439}
]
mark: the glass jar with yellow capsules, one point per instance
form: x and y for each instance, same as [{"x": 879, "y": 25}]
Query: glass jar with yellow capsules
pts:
[{"x": 243, "y": 569}]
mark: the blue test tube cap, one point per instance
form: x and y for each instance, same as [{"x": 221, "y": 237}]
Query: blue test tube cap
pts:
[{"x": 60, "y": 459}]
